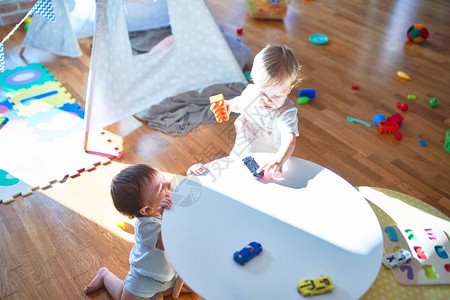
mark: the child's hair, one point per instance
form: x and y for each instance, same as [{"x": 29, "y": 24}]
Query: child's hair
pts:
[
  {"x": 276, "y": 65},
  {"x": 126, "y": 188}
]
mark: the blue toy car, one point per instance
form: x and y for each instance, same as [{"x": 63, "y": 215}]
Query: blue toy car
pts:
[
  {"x": 253, "y": 166},
  {"x": 247, "y": 253}
]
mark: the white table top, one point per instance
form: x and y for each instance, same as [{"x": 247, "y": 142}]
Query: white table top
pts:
[{"x": 310, "y": 223}]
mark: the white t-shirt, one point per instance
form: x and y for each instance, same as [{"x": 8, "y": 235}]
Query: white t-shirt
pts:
[
  {"x": 145, "y": 258},
  {"x": 259, "y": 129}
]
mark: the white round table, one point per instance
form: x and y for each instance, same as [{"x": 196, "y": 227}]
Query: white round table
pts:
[{"x": 310, "y": 222}]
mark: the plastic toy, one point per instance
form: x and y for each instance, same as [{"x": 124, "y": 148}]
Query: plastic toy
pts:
[
  {"x": 396, "y": 259},
  {"x": 247, "y": 253},
  {"x": 422, "y": 142},
  {"x": 218, "y": 108},
  {"x": 240, "y": 30},
  {"x": 434, "y": 102},
  {"x": 378, "y": 118},
  {"x": 358, "y": 121},
  {"x": 403, "y": 75},
  {"x": 3, "y": 120},
  {"x": 402, "y": 106},
  {"x": 253, "y": 166},
  {"x": 417, "y": 33},
  {"x": 310, "y": 93},
  {"x": 355, "y": 87},
  {"x": 248, "y": 75},
  {"x": 411, "y": 97},
  {"x": 264, "y": 9},
  {"x": 318, "y": 39},
  {"x": 316, "y": 286},
  {"x": 396, "y": 118},
  {"x": 447, "y": 141},
  {"x": 303, "y": 100},
  {"x": 398, "y": 136},
  {"x": 387, "y": 126}
]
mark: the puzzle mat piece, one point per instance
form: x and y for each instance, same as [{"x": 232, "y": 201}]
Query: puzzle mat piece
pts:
[
  {"x": 24, "y": 78},
  {"x": 385, "y": 284},
  {"x": 413, "y": 273},
  {"x": 40, "y": 98},
  {"x": 40, "y": 160},
  {"x": 74, "y": 108},
  {"x": 11, "y": 187}
]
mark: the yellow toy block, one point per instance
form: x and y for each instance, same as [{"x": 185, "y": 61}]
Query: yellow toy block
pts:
[{"x": 218, "y": 108}]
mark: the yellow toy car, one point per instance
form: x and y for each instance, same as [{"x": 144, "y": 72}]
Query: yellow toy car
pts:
[{"x": 316, "y": 286}]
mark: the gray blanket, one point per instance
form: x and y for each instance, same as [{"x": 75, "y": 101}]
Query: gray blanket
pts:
[{"x": 180, "y": 114}]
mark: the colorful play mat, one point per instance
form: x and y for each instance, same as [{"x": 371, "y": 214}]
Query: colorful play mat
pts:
[
  {"x": 42, "y": 134},
  {"x": 398, "y": 210}
]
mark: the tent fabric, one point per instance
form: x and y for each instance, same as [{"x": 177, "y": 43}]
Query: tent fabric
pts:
[{"x": 121, "y": 84}]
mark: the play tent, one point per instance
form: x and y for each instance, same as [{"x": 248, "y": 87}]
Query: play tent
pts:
[{"x": 121, "y": 84}]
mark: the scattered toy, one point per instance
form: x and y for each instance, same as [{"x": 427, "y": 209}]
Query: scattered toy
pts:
[
  {"x": 402, "y": 106},
  {"x": 318, "y": 39},
  {"x": 3, "y": 120},
  {"x": 396, "y": 259},
  {"x": 355, "y": 87},
  {"x": 247, "y": 253},
  {"x": 434, "y": 102},
  {"x": 303, "y": 100},
  {"x": 403, "y": 75},
  {"x": 398, "y": 136},
  {"x": 240, "y": 30},
  {"x": 310, "y": 93},
  {"x": 422, "y": 142},
  {"x": 417, "y": 33},
  {"x": 396, "y": 118},
  {"x": 387, "y": 126},
  {"x": 447, "y": 141},
  {"x": 358, "y": 121},
  {"x": 411, "y": 97},
  {"x": 316, "y": 286},
  {"x": 248, "y": 75},
  {"x": 378, "y": 118}
]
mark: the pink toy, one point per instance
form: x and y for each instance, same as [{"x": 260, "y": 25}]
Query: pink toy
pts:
[
  {"x": 402, "y": 106},
  {"x": 398, "y": 136},
  {"x": 355, "y": 87},
  {"x": 240, "y": 30},
  {"x": 396, "y": 118}
]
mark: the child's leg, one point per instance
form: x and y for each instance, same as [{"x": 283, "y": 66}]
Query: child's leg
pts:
[{"x": 111, "y": 282}]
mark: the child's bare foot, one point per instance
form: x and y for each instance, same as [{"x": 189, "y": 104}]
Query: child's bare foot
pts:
[{"x": 97, "y": 282}]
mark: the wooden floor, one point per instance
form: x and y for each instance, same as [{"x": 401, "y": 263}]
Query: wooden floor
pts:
[{"x": 53, "y": 242}]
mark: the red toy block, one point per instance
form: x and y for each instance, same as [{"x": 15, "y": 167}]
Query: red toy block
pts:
[
  {"x": 398, "y": 118},
  {"x": 402, "y": 106},
  {"x": 218, "y": 108},
  {"x": 355, "y": 87},
  {"x": 387, "y": 126},
  {"x": 240, "y": 30}
]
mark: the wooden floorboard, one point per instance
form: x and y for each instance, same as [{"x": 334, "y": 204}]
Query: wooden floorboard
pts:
[{"x": 53, "y": 242}]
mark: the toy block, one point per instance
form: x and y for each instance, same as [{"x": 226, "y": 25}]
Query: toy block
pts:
[
  {"x": 218, "y": 108},
  {"x": 311, "y": 93},
  {"x": 396, "y": 118},
  {"x": 387, "y": 126},
  {"x": 447, "y": 141},
  {"x": 402, "y": 106}
]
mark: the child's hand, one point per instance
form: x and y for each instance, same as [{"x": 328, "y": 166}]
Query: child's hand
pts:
[
  {"x": 197, "y": 169},
  {"x": 271, "y": 169},
  {"x": 166, "y": 203}
]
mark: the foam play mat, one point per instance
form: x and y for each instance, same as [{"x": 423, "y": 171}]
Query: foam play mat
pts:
[
  {"x": 406, "y": 215},
  {"x": 42, "y": 134}
]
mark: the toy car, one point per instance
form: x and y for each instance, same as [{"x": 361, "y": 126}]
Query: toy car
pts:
[
  {"x": 247, "y": 253},
  {"x": 396, "y": 259},
  {"x": 316, "y": 286},
  {"x": 253, "y": 166}
]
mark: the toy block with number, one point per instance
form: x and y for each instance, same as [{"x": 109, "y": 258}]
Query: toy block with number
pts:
[{"x": 218, "y": 108}]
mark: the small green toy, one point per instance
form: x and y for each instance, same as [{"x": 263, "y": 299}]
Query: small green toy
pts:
[
  {"x": 411, "y": 97},
  {"x": 434, "y": 102},
  {"x": 303, "y": 100},
  {"x": 447, "y": 141}
]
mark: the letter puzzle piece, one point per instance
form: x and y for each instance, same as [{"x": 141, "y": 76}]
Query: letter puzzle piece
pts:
[
  {"x": 387, "y": 126},
  {"x": 218, "y": 108}
]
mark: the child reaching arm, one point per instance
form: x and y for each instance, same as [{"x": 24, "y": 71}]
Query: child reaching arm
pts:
[
  {"x": 268, "y": 119},
  {"x": 141, "y": 191}
]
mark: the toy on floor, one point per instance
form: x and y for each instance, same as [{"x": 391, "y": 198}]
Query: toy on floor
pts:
[
  {"x": 247, "y": 253},
  {"x": 253, "y": 166},
  {"x": 434, "y": 102},
  {"x": 378, "y": 118},
  {"x": 403, "y": 75},
  {"x": 422, "y": 142},
  {"x": 316, "y": 286},
  {"x": 417, "y": 33},
  {"x": 358, "y": 121},
  {"x": 411, "y": 97},
  {"x": 310, "y": 93},
  {"x": 355, "y": 87},
  {"x": 303, "y": 100},
  {"x": 402, "y": 106},
  {"x": 398, "y": 258},
  {"x": 398, "y": 136},
  {"x": 318, "y": 39},
  {"x": 240, "y": 30},
  {"x": 447, "y": 141},
  {"x": 218, "y": 108},
  {"x": 387, "y": 126},
  {"x": 430, "y": 263},
  {"x": 264, "y": 9},
  {"x": 396, "y": 118}
]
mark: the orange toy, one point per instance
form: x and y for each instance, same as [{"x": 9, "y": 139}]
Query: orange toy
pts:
[
  {"x": 387, "y": 126},
  {"x": 218, "y": 108}
]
